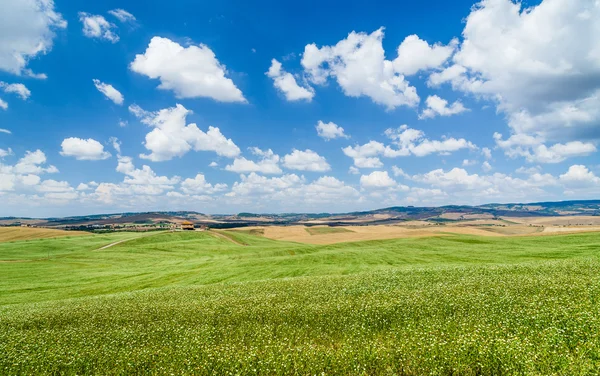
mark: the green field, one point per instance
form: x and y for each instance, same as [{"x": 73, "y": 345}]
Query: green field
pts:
[{"x": 197, "y": 303}]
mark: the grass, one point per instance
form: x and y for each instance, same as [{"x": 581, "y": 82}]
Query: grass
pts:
[
  {"x": 195, "y": 303},
  {"x": 326, "y": 230}
]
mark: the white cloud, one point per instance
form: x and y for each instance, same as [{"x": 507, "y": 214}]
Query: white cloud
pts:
[
  {"x": 540, "y": 64},
  {"x": 269, "y": 163},
  {"x": 487, "y": 153},
  {"x": 123, "y": 123},
  {"x": 5, "y": 152},
  {"x": 306, "y": 160},
  {"x": 213, "y": 164},
  {"x": 521, "y": 145},
  {"x": 413, "y": 141},
  {"x": 2, "y": 130},
  {"x": 579, "y": 175},
  {"x": 18, "y": 89},
  {"x": 171, "y": 137},
  {"x": 437, "y": 106},
  {"x": 467, "y": 163},
  {"x": 329, "y": 131},
  {"x": 359, "y": 66},
  {"x": 353, "y": 170},
  {"x": 190, "y": 72},
  {"x": 143, "y": 176},
  {"x": 415, "y": 55},
  {"x": 286, "y": 83},
  {"x": 83, "y": 150},
  {"x": 109, "y": 92},
  {"x": 26, "y": 30},
  {"x": 399, "y": 172},
  {"x": 122, "y": 15},
  {"x": 25, "y": 173},
  {"x": 96, "y": 26},
  {"x": 486, "y": 166},
  {"x": 3, "y": 104},
  {"x": 116, "y": 144},
  {"x": 83, "y": 187},
  {"x": 528, "y": 170},
  {"x": 366, "y": 156},
  {"x": 291, "y": 191},
  {"x": 377, "y": 179},
  {"x": 32, "y": 163},
  {"x": 199, "y": 185}
]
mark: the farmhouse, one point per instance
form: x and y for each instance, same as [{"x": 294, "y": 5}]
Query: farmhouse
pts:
[{"x": 187, "y": 226}]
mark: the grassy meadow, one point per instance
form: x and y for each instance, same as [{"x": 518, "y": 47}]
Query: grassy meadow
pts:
[{"x": 204, "y": 303}]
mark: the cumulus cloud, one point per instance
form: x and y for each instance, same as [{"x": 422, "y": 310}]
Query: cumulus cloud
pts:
[
  {"x": 329, "y": 131},
  {"x": 190, "y": 72},
  {"x": 579, "y": 175},
  {"x": 415, "y": 54},
  {"x": 547, "y": 86},
  {"x": 122, "y": 15},
  {"x": 96, "y": 26},
  {"x": 83, "y": 150},
  {"x": 359, "y": 66},
  {"x": 109, "y": 92},
  {"x": 437, "y": 106},
  {"x": 171, "y": 137},
  {"x": 366, "y": 156},
  {"x": 25, "y": 173},
  {"x": 27, "y": 30},
  {"x": 291, "y": 190},
  {"x": 3, "y": 104},
  {"x": 199, "y": 185},
  {"x": 487, "y": 153},
  {"x": 307, "y": 160},
  {"x": 19, "y": 89},
  {"x": 413, "y": 141},
  {"x": 532, "y": 149},
  {"x": 486, "y": 166},
  {"x": 268, "y": 164},
  {"x": 377, "y": 179},
  {"x": 286, "y": 83}
]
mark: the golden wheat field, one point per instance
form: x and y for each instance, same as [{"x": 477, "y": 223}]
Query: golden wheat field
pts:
[
  {"x": 412, "y": 229},
  {"x": 8, "y": 234}
]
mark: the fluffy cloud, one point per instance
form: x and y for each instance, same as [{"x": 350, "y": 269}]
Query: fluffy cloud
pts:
[
  {"x": 579, "y": 175},
  {"x": 548, "y": 86},
  {"x": 18, "y": 89},
  {"x": 415, "y": 54},
  {"x": 359, "y": 66},
  {"x": 109, "y": 92},
  {"x": 142, "y": 184},
  {"x": 487, "y": 153},
  {"x": 83, "y": 150},
  {"x": 329, "y": 131},
  {"x": 366, "y": 156},
  {"x": 171, "y": 137},
  {"x": 25, "y": 173},
  {"x": 3, "y": 104},
  {"x": 286, "y": 83},
  {"x": 199, "y": 186},
  {"x": 486, "y": 166},
  {"x": 268, "y": 164},
  {"x": 5, "y": 152},
  {"x": 306, "y": 160},
  {"x": 190, "y": 72},
  {"x": 413, "y": 141},
  {"x": 122, "y": 15},
  {"x": 377, "y": 179},
  {"x": 521, "y": 145},
  {"x": 27, "y": 29},
  {"x": 96, "y": 26},
  {"x": 291, "y": 190},
  {"x": 437, "y": 106}
]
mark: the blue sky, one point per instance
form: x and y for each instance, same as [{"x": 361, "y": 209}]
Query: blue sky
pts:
[{"x": 419, "y": 103}]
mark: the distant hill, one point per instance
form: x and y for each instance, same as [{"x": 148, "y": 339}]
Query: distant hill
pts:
[{"x": 378, "y": 216}]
